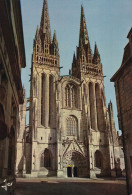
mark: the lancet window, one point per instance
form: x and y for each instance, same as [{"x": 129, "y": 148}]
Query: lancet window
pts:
[
  {"x": 71, "y": 123},
  {"x": 71, "y": 96}
]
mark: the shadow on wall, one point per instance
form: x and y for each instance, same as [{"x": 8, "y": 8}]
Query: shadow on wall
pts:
[
  {"x": 20, "y": 165},
  {"x": 46, "y": 162}
]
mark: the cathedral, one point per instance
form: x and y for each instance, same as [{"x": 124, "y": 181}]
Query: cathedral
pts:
[{"x": 71, "y": 132}]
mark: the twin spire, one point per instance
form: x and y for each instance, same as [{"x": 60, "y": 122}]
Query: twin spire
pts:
[
  {"x": 45, "y": 24},
  {"x": 83, "y": 37}
]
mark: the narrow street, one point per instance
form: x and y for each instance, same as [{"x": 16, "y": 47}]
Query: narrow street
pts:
[{"x": 55, "y": 186}]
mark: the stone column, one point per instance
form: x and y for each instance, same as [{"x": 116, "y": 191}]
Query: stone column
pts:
[
  {"x": 46, "y": 102},
  {"x": 88, "y": 103},
  {"x": 94, "y": 108},
  {"x": 42, "y": 100},
  {"x": 54, "y": 104}
]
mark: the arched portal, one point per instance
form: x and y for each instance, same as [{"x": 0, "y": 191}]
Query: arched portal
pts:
[
  {"x": 45, "y": 160},
  {"x": 98, "y": 159},
  {"x": 69, "y": 171},
  {"x": 74, "y": 164}
]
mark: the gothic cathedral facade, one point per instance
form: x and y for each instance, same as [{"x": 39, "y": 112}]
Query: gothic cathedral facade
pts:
[{"x": 71, "y": 131}]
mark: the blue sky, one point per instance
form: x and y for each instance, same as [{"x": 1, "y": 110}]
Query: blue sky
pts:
[{"x": 108, "y": 23}]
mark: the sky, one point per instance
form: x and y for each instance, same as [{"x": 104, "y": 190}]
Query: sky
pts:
[{"x": 108, "y": 23}]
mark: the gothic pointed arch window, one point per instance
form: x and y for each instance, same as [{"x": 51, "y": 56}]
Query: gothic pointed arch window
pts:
[
  {"x": 72, "y": 126},
  {"x": 71, "y": 96}
]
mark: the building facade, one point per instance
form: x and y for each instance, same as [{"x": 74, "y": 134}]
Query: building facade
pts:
[
  {"x": 12, "y": 59},
  {"x": 123, "y": 88},
  {"x": 71, "y": 132}
]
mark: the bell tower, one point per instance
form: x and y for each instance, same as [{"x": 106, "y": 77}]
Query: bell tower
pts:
[
  {"x": 84, "y": 62},
  {"x": 44, "y": 74}
]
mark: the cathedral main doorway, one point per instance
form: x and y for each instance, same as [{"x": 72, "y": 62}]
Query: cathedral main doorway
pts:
[
  {"x": 69, "y": 171},
  {"x": 75, "y": 164},
  {"x": 72, "y": 171}
]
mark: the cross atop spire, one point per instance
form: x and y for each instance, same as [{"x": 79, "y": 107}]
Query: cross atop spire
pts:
[
  {"x": 45, "y": 24},
  {"x": 83, "y": 37}
]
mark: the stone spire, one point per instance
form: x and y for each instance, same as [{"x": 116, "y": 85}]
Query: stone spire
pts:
[
  {"x": 83, "y": 37},
  {"x": 96, "y": 57},
  {"x": 37, "y": 33},
  {"x": 74, "y": 58},
  {"x": 45, "y": 24},
  {"x": 54, "y": 47},
  {"x": 55, "y": 39},
  {"x": 74, "y": 64}
]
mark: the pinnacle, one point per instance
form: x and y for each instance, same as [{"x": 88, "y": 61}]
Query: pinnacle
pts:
[
  {"x": 96, "y": 52},
  {"x": 54, "y": 37},
  {"x": 74, "y": 57},
  {"x": 96, "y": 49}
]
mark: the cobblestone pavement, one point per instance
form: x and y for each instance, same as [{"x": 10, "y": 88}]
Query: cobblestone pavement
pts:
[{"x": 55, "y": 186}]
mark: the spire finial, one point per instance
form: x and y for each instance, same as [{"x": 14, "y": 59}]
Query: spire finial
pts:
[
  {"x": 83, "y": 37},
  {"x": 45, "y": 24}
]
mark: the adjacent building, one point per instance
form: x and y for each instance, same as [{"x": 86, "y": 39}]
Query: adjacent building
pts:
[
  {"x": 12, "y": 59},
  {"x": 123, "y": 88},
  {"x": 71, "y": 132}
]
